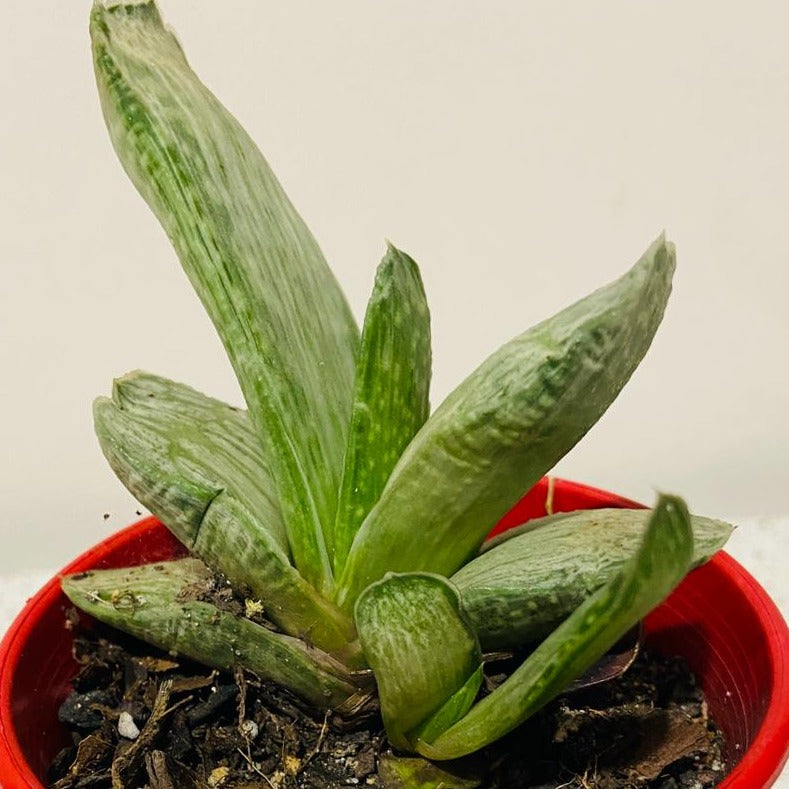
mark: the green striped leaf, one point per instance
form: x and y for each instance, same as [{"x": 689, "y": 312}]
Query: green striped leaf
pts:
[
  {"x": 662, "y": 560},
  {"x": 391, "y": 399},
  {"x": 169, "y": 605},
  {"x": 507, "y": 424},
  {"x": 257, "y": 269},
  {"x": 208, "y": 445},
  {"x": 421, "y": 650},
  {"x": 520, "y": 589},
  {"x": 196, "y": 464}
]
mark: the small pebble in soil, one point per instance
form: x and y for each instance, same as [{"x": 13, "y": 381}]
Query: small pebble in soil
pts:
[{"x": 127, "y": 727}]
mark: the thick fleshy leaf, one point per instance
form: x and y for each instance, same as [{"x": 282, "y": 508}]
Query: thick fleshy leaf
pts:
[
  {"x": 257, "y": 269},
  {"x": 419, "y": 646},
  {"x": 663, "y": 558},
  {"x": 507, "y": 424},
  {"x": 204, "y": 444},
  {"x": 196, "y": 464},
  {"x": 169, "y": 605},
  {"x": 523, "y": 586},
  {"x": 391, "y": 400}
]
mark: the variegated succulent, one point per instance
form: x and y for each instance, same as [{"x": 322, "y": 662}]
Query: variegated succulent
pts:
[{"x": 336, "y": 504}]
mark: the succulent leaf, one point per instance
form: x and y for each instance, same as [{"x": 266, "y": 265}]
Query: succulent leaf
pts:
[
  {"x": 507, "y": 424},
  {"x": 206, "y": 445},
  {"x": 257, "y": 269},
  {"x": 662, "y": 560},
  {"x": 523, "y": 586},
  {"x": 196, "y": 463},
  {"x": 167, "y": 605},
  {"x": 421, "y": 650},
  {"x": 391, "y": 400}
]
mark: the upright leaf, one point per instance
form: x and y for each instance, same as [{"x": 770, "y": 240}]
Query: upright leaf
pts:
[
  {"x": 521, "y": 588},
  {"x": 391, "y": 400},
  {"x": 169, "y": 604},
  {"x": 257, "y": 269},
  {"x": 507, "y": 424},
  {"x": 196, "y": 464},
  {"x": 421, "y": 650},
  {"x": 662, "y": 560}
]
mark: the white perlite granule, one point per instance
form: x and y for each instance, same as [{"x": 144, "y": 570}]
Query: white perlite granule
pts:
[{"x": 127, "y": 727}]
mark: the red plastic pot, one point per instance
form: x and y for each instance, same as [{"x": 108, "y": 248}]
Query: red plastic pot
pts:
[{"x": 719, "y": 619}]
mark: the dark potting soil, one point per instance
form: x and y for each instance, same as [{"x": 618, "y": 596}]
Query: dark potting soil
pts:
[{"x": 185, "y": 727}]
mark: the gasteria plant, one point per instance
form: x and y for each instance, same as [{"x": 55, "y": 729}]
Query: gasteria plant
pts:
[{"x": 336, "y": 505}]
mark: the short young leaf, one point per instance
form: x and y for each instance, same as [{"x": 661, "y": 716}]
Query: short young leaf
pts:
[
  {"x": 523, "y": 586},
  {"x": 507, "y": 424},
  {"x": 421, "y": 649},
  {"x": 662, "y": 560},
  {"x": 391, "y": 400},
  {"x": 257, "y": 269}
]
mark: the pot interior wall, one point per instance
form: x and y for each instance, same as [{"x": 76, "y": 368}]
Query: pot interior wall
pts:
[{"x": 709, "y": 621}]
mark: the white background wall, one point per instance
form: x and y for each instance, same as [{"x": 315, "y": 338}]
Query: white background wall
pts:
[{"x": 523, "y": 152}]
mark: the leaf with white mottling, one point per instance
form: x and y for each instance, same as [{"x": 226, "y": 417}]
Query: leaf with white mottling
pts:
[
  {"x": 661, "y": 562},
  {"x": 257, "y": 269},
  {"x": 168, "y": 604},
  {"x": 524, "y": 585},
  {"x": 507, "y": 424},
  {"x": 196, "y": 463},
  {"x": 420, "y": 648},
  {"x": 391, "y": 399},
  {"x": 192, "y": 435}
]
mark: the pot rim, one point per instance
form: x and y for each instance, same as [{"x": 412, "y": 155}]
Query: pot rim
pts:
[{"x": 759, "y": 766}]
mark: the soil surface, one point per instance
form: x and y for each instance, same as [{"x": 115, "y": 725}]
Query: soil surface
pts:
[{"x": 140, "y": 718}]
